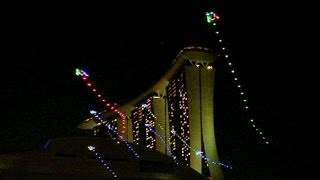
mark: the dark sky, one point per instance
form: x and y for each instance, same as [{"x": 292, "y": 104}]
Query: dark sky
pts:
[{"x": 126, "y": 48}]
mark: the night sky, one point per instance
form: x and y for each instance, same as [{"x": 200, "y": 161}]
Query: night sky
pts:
[{"x": 128, "y": 47}]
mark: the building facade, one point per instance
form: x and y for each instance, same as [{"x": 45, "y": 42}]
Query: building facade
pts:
[{"x": 176, "y": 115}]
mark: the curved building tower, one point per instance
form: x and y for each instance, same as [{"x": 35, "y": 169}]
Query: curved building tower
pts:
[{"x": 177, "y": 112}]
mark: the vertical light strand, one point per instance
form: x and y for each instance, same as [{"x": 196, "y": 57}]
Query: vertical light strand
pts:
[
  {"x": 212, "y": 18},
  {"x": 140, "y": 117},
  {"x": 148, "y": 119},
  {"x": 178, "y": 116}
]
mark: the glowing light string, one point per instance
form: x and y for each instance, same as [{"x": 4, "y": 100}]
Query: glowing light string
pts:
[
  {"x": 149, "y": 120},
  {"x": 102, "y": 161},
  {"x": 115, "y": 131},
  {"x": 164, "y": 142},
  {"x": 151, "y": 114},
  {"x": 90, "y": 84},
  {"x": 199, "y": 153},
  {"x": 212, "y": 18}
]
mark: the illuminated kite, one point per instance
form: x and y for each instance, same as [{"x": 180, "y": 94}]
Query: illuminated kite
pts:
[{"x": 212, "y": 17}]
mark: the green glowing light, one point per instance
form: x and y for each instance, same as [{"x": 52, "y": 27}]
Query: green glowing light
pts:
[
  {"x": 78, "y": 72},
  {"x": 209, "y": 17}
]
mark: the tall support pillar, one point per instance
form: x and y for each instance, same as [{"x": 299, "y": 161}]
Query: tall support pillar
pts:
[
  {"x": 129, "y": 130},
  {"x": 128, "y": 123},
  {"x": 160, "y": 111},
  {"x": 207, "y": 108},
  {"x": 193, "y": 93}
]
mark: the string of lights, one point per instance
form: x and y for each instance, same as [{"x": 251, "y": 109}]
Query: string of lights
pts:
[
  {"x": 116, "y": 132},
  {"x": 178, "y": 115},
  {"x": 140, "y": 117},
  {"x": 212, "y": 18},
  {"x": 98, "y": 93},
  {"x": 164, "y": 142},
  {"x": 102, "y": 161},
  {"x": 151, "y": 114},
  {"x": 200, "y": 153}
]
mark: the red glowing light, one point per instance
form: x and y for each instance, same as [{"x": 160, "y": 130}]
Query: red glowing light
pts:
[{"x": 85, "y": 76}]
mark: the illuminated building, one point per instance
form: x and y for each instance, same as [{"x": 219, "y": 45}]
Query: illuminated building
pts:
[
  {"x": 181, "y": 106},
  {"x": 140, "y": 117},
  {"x": 179, "y": 117}
]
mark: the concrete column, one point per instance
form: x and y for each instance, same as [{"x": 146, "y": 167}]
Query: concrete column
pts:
[
  {"x": 130, "y": 134},
  {"x": 207, "y": 105},
  {"x": 193, "y": 93},
  {"x": 160, "y": 113}
]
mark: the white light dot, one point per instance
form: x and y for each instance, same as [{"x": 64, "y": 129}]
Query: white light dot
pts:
[
  {"x": 251, "y": 120},
  {"x": 239, "y": 86},
  {"x": 229, "y": 63},
  {"x": 235, "y": 79},
  {"x": 220, "y": 40},
  {"x": 267, "y": 142},
  {"x": 223, "y": 48},
  {"x": 244, "y": 100},
  {"x": 217, "y": 32},
  {"x": 260, "y": 132},
  {"x": 226, "y": 56},
  {"x": 242, "y": 93},
  {"x": 232, "y": 71},
  {"x": 247, "y": 107}
]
